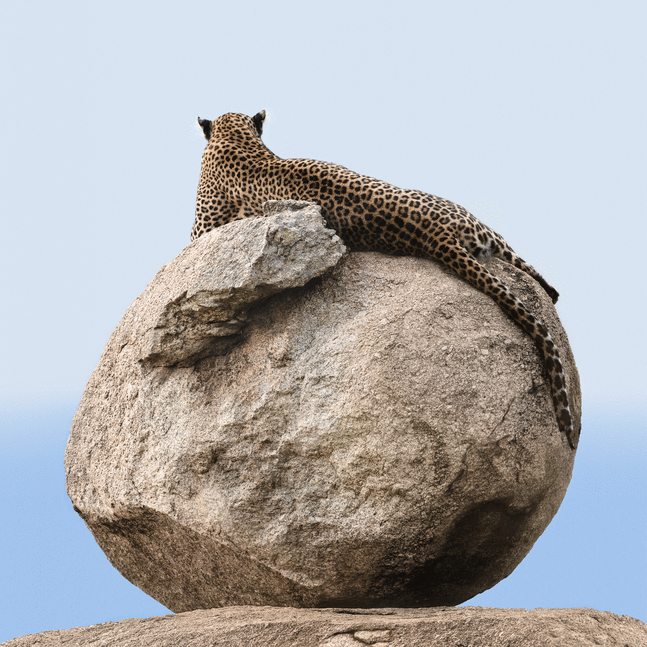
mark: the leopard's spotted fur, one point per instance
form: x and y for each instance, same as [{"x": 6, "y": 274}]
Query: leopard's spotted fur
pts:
[{"x": 239, "y": 173}]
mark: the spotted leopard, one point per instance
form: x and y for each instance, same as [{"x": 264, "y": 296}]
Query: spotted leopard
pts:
[{"x": 239, "y": 173}]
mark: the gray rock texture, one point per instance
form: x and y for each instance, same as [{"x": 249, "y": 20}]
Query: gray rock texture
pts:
[
  {"x": 439, "y": 627},
  {"x": 382, "y": 436}
]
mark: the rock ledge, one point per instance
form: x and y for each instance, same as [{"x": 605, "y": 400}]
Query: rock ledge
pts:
[{"x": 238, "y": 264}]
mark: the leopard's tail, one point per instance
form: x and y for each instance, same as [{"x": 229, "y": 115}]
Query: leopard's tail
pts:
[{"x": 455, "y": 256}]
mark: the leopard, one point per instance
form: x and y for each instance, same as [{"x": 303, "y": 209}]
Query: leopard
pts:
[{"x": 239, "y": 173}]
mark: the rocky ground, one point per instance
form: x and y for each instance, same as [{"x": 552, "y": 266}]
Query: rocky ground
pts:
[{"x": 438, "y": 627}]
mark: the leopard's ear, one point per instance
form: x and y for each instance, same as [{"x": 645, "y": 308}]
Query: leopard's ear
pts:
[
  {"x": 205, "y": 124},
  {"x": 258, "y": 120}
]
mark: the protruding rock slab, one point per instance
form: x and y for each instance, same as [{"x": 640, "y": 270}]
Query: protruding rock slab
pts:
[
  {"x": 439, "y": 627},
  {"x": 204, "y": 294},
  {"x": 383, "y": 436}
]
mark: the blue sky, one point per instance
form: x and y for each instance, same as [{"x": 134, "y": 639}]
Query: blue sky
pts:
[{"x": 530, "y": 115}]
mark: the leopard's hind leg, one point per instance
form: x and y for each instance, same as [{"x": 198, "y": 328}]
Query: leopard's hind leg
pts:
[
  {"x": 465, "y": 265},
  {"x": 506, "y": 253},
  {"x": 482, "y": 242}
]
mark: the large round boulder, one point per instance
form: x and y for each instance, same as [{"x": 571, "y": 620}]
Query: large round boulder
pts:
[{"x": 382, "y": 435}]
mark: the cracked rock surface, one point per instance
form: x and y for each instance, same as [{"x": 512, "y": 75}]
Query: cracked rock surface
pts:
[
  {"x": 440, "y": 627},
  {"x": 380, "y": 436}
]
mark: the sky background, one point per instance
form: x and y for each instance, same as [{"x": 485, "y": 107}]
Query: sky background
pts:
[{"x": 531, "y": 115}]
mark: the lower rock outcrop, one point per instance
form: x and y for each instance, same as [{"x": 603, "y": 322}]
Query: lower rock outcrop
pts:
[
  {"x": 381, "y": 436},
  {"x": 440, "y": 627}
]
